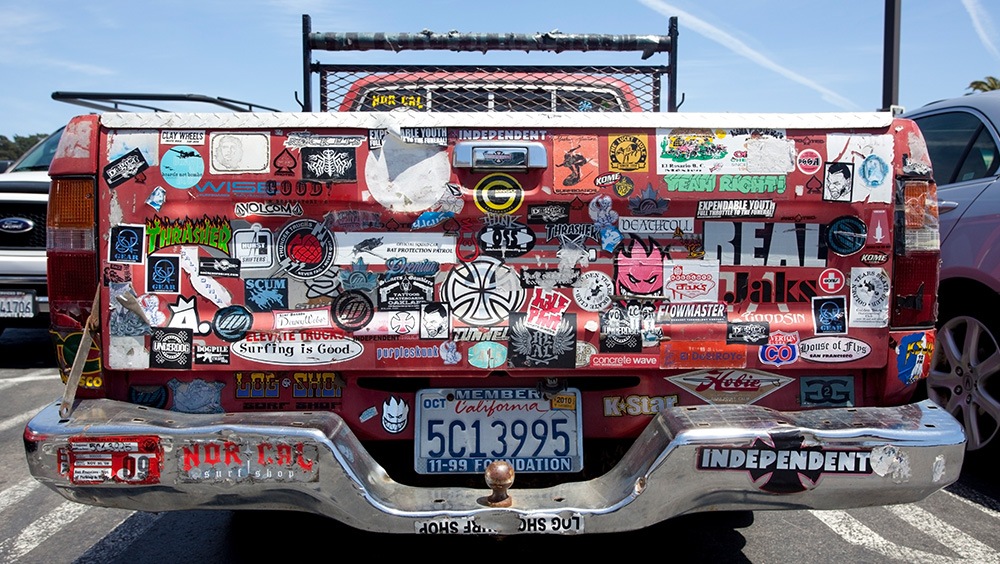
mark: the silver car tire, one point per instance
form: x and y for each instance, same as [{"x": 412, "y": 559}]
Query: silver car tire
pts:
[{"x": 964, "y": 378}]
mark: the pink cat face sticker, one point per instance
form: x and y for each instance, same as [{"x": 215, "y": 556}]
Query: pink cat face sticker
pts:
[{"x": 639, "y": 268}]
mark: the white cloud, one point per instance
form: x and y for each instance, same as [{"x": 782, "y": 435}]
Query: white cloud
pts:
[
  {"x": 709, "y": 31},
  {"x": 983, "y": 25}
]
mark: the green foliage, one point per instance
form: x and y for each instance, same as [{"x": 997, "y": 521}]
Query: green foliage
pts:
[
  {"x": 985, "y": 85},
  {"x": 12, "y": 149}
]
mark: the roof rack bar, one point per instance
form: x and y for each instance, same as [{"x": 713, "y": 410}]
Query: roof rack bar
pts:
[{"x": 112, "y": 101}]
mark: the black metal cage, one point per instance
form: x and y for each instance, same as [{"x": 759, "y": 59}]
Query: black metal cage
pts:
[{"x": 500, "y": 88}]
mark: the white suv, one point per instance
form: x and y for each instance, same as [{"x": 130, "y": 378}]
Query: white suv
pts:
[{"x": 24, "y": 192}]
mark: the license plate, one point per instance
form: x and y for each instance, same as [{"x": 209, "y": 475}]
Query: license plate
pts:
[
  {"x": 18, "y": 304},
  {"x": 462, "y": 430},
  {"x": 99, "y": 460}
]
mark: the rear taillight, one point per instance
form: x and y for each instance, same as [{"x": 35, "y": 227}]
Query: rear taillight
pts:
[
  {"x": 917, "y": 260},
  {"x": 71, "y": 256}
]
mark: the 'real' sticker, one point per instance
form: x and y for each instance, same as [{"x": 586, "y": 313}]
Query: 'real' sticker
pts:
[
  {"x": 488, "y": 355},
  {"x": 536, "y": 349}
]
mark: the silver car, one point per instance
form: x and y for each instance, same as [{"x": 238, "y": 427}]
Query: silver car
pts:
[
  {"x": 24, "y": 194},
  {"x": 962, "y": 137}
]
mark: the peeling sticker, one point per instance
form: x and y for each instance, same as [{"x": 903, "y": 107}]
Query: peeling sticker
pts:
[
  {"x": 75, "y": 141},
  {"x": 205, "y": 285},
  {"x": 937, "y": 472},
  {"x": 128, "y": 352},
  {"x": 405, "y": 177},
  {"x": 888, "y": 460}
]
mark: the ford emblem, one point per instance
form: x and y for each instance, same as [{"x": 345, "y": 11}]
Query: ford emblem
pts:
[{"x": 16, "y": 225}]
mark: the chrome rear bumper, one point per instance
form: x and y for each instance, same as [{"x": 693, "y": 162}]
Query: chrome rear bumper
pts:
[{"x": 688, "y": 459}]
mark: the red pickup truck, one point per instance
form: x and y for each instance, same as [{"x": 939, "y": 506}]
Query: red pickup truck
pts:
[{"x": 554, "y": 310}]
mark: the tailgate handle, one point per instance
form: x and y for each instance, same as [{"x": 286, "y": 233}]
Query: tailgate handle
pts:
[{"x": 499, "y": 155}]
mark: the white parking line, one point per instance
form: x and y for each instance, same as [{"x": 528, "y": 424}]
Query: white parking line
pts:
[
  {"x": 947, "y": 535},
  {"x": 973, "y": 498},
  {"x": 41, "y": 529},
  {"x": 17, "y": 492},
  {"x": 34, "y": 376},
  {"x": 18, "y": 420},
  {"x": 856, "y": 533},
  {"x": 119, "y": 539}
]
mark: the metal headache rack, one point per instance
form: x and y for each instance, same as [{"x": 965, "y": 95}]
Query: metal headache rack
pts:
[{"x": 497, "y": 88}]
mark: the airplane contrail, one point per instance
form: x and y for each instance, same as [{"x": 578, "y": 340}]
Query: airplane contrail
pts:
[
  {"x": 982, "y": 24},
  {"x": 709, "y": 31}
]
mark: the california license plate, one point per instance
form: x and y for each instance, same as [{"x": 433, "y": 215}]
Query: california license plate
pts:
[
  {"x": 18, "y": 304},
  {"x": 462, "y": 430}
]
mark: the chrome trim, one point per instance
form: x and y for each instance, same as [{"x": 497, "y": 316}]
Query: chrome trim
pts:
[
  {"x": 920, "y": 449},
  {"x": 471, "y": 154}
]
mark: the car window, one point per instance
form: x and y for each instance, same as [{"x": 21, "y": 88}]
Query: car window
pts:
[
  {"x": 960, "y": 146},
  {"x": 39, "y": 156}
]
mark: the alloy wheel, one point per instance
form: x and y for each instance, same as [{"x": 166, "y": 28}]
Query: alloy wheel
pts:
[{"x": 963, "y": 378}]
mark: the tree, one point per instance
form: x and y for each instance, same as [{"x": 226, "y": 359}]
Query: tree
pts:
[
  {"x": 985, "y": 85},
  {"x": 12, "y": 149}
]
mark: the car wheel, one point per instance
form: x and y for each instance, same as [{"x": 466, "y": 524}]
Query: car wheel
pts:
[{"x": 964, "y": 377}]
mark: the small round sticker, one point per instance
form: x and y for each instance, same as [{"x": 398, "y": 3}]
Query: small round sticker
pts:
[
  {"x": 809, "y": 161},
  {"x": 498, "y": 193},
  {"x": 832, "y": 281},
  {"x": 182, "y": 166},
  {"x": 846, "y": 235},
  {"x": 305, "y": 249}
]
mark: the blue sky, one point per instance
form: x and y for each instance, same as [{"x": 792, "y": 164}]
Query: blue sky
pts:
[{"x": 734, "y": 56}]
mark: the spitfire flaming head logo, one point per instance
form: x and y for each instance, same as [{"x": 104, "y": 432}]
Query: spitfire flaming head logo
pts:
[
  {"x": 639, "y": 268},
  {"x": 395, "y": 413}
]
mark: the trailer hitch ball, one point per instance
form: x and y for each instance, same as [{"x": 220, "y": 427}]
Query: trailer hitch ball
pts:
[{"x": 499, "y": 478}]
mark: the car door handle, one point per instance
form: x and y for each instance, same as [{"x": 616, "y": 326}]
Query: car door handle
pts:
[{"x": 946, "y": 205}]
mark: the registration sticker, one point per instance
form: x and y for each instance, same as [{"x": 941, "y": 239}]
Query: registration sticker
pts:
[{"x": 128, "y": 460}]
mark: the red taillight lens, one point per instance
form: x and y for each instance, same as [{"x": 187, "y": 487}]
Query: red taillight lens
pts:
[
  {"x": 70, "y": 252},
  {"x": 917, "y": 263}
]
